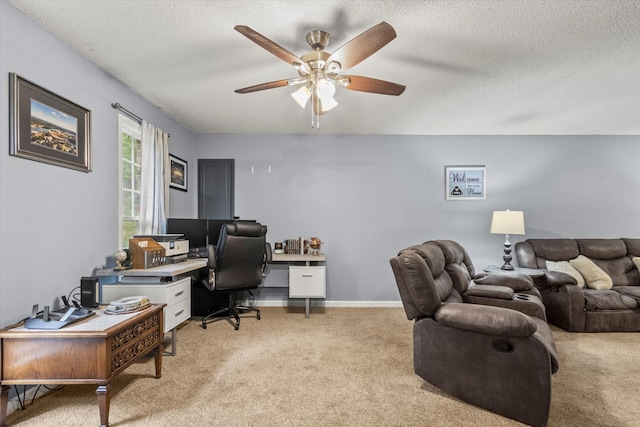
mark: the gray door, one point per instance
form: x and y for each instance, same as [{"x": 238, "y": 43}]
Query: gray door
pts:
[{"x": 215, "y": 188}]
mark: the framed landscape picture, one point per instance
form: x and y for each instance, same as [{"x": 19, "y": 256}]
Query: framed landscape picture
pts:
[
  {"x": 465, "y": 182},
  {"x": 178, "y": 173},
  {"x": 48, "y": 128}
]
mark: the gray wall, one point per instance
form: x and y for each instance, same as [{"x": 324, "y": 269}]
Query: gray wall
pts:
[
  {"x": 57, "y": 224},
  {"x": 367, "y": 197}
]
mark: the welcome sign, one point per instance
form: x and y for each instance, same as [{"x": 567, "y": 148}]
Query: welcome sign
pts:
[{"x": 465, "y": 182}]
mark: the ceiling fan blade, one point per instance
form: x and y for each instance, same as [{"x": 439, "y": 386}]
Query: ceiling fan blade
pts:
[
  {"x": 269, "y": 45},
  {"x": 264, "y": 86},
  {"x": 368, "y": 84},
  {"x": 361, "y": 47}
]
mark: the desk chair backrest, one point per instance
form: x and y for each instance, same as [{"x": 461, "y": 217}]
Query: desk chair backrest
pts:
[{"x": 240, "y": 256}]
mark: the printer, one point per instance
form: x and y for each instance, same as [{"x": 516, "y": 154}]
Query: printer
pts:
[{"x": 175, "y": 246}]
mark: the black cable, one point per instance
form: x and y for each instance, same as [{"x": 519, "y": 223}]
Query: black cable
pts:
[
  {"x": 18, "y": 394},
  {"x": 76, "y": 296},
  {"x": 35, "y": 394}
]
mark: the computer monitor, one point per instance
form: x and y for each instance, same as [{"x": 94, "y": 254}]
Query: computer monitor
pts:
[{"x": 194, "y": 230}]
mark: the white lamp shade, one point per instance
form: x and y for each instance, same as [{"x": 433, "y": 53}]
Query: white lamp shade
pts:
[
  {"x": 301, "y": 96},
  {"x": 507, "y": 222}
]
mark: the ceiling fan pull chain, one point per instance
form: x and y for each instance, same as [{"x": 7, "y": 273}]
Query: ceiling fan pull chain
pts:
[{"x": 313, "y": 116}]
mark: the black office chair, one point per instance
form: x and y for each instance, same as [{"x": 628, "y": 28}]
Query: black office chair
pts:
[{"x": 238, "y": 263}]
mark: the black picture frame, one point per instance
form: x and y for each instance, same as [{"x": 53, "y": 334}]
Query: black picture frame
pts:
[
  {"x": 179, "y": 171},
  {"x": 46, "y": 127}
]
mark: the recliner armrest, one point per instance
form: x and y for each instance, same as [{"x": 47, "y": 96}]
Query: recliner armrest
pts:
[
  {"x": 486, "y": 319},
  {"x": 559, "y": 278},
  {"x": 512, "y": 279},
  {"x": 491, "y": 291}
]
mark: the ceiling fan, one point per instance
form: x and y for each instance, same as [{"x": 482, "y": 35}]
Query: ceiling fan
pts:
[{"x": 319, "y": 71}]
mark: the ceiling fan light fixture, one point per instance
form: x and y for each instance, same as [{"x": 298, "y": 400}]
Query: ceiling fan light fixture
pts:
[
  {"x": 343, "y": 81},
  {"x": 319, "y": 70},
  {"x": 328, "y": 104},
  {"x": 302, "y": 68},
  {"x": 325, "y": 91},
  {"x": 301, "y": 96}
]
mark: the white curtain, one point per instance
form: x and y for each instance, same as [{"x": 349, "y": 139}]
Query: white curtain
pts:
[{"x": 154, "y": 203}]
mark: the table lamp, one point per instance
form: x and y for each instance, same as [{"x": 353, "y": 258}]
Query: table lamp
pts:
[{"x": 507, "y": 222}]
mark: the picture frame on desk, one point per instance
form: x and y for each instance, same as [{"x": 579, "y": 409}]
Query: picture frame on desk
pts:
[{"x": 48, "y": 128}]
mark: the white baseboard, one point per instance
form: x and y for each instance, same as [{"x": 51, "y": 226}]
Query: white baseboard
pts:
[
  {"x": 28, "y": 396},
  {"x": 298, "y": 302}
]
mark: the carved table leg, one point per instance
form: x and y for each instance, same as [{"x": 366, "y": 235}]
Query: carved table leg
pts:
[
  {"x": 4, "y": 401},
  {"x": 104, "y": 400},
  {"x": 158, "y": 359}
]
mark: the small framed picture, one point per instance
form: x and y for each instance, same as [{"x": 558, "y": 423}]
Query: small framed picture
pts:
[
  {"x": 48, "y": 128},
  {"x": 465, "y": 182},
  {"x": 178, "y": 173}
]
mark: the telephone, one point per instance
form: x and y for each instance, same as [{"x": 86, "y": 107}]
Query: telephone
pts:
[{"x": 127, "y": 304}]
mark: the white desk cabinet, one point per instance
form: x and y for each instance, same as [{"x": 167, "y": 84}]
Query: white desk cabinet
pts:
[
  {"x": 306, "y": 279},
  {"x": 177, "y": 296},
  {"x": 307, "y": 282}
]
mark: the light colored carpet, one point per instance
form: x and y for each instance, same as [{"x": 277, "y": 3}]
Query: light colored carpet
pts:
[{"x": 343, "y": 366}]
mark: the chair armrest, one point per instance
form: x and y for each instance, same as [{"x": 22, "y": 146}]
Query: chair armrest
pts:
[
  {"x": 486, "y": 319},
  {"x": 266, "y": 262},
  {"x": 512, "y": 279},
  {"x": 210, "y": 281},
  {"x": 491, "y": 291}
]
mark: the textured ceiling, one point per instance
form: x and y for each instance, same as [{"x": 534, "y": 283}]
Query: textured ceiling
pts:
[{"x": 471, "y": 67}]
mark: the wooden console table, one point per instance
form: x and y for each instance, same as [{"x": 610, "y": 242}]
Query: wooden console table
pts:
[{"x": 92, "y": 351}]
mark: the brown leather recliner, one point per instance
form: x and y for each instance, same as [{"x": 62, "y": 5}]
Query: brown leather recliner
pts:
[{"x": 492, "y": 356}]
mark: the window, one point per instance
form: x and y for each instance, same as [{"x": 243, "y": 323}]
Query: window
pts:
[{"x": 130, "y": 178}]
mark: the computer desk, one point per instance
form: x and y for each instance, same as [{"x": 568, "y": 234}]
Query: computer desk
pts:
[
  {"x": 92, "y": 351},
  {"x": 305, "y": 280}
]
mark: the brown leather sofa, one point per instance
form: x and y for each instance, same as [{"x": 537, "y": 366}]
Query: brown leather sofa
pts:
[
  {"x": 470, "y": 337},
  {"x": 582, "y": 309}
]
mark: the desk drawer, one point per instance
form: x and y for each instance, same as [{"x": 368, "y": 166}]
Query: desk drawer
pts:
[
  {"x": 167, "y": 292},
  {"x": 176, "y": 314},
  {"x": 178, "y": 291},
  {"x": 306, "y": 282}
]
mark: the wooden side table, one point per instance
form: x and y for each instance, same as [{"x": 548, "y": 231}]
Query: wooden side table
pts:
[
  {"x": 92, "y": 351},
  {"x": 531, "y": 272}
]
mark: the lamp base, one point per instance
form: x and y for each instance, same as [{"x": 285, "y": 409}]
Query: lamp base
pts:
[{"x": 507, "y": 255}]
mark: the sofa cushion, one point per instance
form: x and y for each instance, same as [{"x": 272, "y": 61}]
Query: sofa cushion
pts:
[
  {"x": 555, "y": 249},
  {"x": 633, "y": 246},
  {"x": 594, "y": 276},
  {"x": 629, "y": 291},
  {"x": 597, "y": 300},
  {"x": 565, "y": 267},
  {"x": 602, "y": 248}
]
